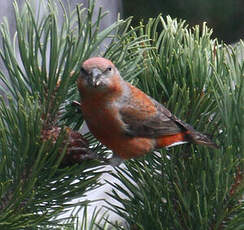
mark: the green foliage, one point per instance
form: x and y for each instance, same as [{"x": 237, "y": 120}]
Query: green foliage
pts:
[
  {"x": 39, "y": 85},
  {"x": 223, "y": 16},
  {"x": 34, "y": 189},
  {"x": 188, "y": 186},
  {"x": 198, "y": 79},
  {"x": 96, "y": 221}
]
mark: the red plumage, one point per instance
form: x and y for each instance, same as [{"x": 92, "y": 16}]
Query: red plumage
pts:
[{"x": 125, "y": 119}]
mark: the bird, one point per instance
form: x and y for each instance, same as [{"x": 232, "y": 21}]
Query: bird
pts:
[{"x": 124, "y": 118}]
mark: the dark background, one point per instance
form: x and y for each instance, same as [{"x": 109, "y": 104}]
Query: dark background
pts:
[{"x": 226, "y": 17}]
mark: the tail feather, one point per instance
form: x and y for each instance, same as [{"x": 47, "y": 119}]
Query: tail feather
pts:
[
  {"x": 201, "y": 139},
  {"x": 191, "y": 136}
]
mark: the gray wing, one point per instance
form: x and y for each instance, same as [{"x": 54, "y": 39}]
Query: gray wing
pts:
[{"x": 162, "y": 123}]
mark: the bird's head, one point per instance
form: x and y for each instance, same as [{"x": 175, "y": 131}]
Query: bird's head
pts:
[{"x": 98, "y": 74}]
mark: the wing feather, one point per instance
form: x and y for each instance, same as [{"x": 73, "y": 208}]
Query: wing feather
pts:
[{"x": 160, "y": 123}]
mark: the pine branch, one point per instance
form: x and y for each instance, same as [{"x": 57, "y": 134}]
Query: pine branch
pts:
[
  {"x": 36, "y": 185},
  {"x": 189, "y": 187},
  {"x": 42, "y": 164}
]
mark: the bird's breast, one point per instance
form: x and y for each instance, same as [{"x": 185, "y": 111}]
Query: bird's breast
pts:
[
  {"x": 103, "y": 120},
  {"x": 105, "y": 124}
]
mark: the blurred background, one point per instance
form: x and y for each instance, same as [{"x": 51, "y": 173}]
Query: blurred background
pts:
[{"x": 226, "y": 17}]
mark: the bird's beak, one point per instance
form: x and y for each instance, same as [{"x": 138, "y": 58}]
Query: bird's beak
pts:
[{"x": 95, "y": 77}]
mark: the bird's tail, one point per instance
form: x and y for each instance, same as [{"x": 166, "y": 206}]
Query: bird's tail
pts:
[
  {"x": 199, "y": 138},
  {"x": 188, "y": 136}
]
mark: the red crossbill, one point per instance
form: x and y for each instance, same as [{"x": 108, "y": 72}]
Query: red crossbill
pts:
[{"x": 125, "y": 119}]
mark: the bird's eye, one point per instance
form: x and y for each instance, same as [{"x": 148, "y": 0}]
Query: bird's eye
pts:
[{"x": 109, "y": 69}]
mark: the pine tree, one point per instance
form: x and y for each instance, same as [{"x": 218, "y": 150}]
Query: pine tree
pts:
[
  {"x": 198, "y": 78},
  {"x": 188, "y": 186},
  {"x": 44, "y": 159}
]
